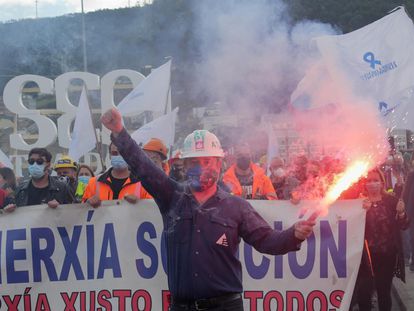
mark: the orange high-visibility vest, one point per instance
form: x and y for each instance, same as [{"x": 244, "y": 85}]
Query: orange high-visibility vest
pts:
[
  {"x": 262, "y": 185},
  {"x": 101, "y": 186}
]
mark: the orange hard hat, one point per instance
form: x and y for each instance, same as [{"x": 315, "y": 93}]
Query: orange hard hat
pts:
[{"x": 156, "y": 145}]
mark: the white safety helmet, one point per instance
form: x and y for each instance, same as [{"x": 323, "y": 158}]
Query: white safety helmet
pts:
[{"x": 201, "y": 143}]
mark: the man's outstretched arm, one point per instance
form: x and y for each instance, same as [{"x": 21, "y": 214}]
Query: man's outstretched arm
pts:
[{"x": 154, "y": 180}]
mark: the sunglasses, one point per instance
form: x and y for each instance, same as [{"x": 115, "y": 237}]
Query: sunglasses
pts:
[{"x": 39, "y": 161}]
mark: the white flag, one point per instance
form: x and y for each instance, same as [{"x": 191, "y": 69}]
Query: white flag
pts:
[
  {"x": 373, "y": 63},
  {"x": 83, "y": 135},
  {"x": 149, "y": 95},
  {"x": 162, "y": 128},
  {"x": 398, "y": 111},
  {"x": 377, "y": 60},
  {"x": 4, "y": 160}
]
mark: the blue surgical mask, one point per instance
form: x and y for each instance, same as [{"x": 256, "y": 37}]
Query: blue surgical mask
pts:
[
  {"x": 84, "y": 179},
  {"x": 36, "y": 171},
  {"x": 118, "y": 162}
]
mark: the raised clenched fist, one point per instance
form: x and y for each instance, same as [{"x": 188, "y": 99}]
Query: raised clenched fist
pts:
[{"x": 112, "y": 120}]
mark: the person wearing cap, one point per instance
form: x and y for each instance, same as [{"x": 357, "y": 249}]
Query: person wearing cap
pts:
[
  {"x": 203, "y": 225},
  {"x": 117, "y": 183},
  {"x": 177, "y": 167},
  {"x": 66, "y": 170},
  {"x": 246, "y": 179},
  {"x": 156, "y": 150}
]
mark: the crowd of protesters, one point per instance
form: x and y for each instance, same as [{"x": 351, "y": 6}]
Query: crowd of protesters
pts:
[{"x": 388, "y": 193}]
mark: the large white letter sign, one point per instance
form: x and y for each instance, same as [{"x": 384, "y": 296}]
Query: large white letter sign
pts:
[
  {"x": 107, "y": 91},
  {"x": 63, "y": 103},
  {"x": 12, "y": 97}
]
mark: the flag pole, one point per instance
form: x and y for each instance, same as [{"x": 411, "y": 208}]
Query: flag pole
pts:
[
  {"x": 168, "y": 99},
  {"x": 98, "y": 141}
]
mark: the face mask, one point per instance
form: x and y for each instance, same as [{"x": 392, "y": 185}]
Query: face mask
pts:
[
  {"x": 201, "y": 179},
  {"x": 280, "y": 172},
  {"x": 36, "y": 171},
  {"x": 177, "y": 173},
  {"x": 84, "y": 179},
  {"x": 118, "y": 162},
  {"x": 243, "y": 163},
  {"x": 64, "y": 179},
  {"x": 373, "y": 187}
]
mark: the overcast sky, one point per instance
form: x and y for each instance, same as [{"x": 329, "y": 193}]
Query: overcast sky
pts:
[{"x": 18, "y": 9}]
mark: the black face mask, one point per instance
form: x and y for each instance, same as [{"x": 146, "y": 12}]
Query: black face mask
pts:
[
  {"x": 243, "y": 163},
  {"x": 178, "y": 173}
]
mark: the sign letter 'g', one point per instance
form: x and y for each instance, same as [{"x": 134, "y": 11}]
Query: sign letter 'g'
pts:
[{"x": 12, "y": 97}]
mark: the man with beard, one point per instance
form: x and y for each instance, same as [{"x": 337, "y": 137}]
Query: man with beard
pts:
[
  {"x": 66, "y": 169},
  {"x": 203, "y": 225},
  {"x": 247, "y": 180}
]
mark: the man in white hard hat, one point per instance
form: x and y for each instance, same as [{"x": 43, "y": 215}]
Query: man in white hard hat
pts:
[{"x": 202, "y": 223}]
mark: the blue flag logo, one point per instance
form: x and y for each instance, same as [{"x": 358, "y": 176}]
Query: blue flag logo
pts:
[{"x": 369, "y": 57}]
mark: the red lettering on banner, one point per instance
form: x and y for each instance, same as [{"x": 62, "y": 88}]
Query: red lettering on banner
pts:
[
  {"x": 317, "y": 294},
  {"x": 121, "y": 294},
  {"x": 300, "y": 301},
  {"x": 103, "y": 295},
  {"x": 253, "y": 296},
  {"x": 42, "y": 303},
  {"x": 26, "y": 298},
  {"x": 336, "y": 299},
  {"x": 69, "y": 301},
  {"x": 166, "y": 299},
  {"x": 147, "y": 299},
  {"x": 83, "y": 301},
  {"x": 268, "y": 299},
  {"x": 92, "y": 297},
  {"x": 12, "y": 304}
]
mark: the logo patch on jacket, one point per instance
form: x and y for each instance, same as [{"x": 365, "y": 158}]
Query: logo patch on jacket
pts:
[{"x": 223, "y": 240}]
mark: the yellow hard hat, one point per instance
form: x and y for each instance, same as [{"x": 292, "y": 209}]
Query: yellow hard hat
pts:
[{"x": 65, "y": 162}]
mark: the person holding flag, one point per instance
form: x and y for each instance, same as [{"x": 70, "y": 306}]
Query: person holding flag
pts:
[{"x": 203, "y": 225}]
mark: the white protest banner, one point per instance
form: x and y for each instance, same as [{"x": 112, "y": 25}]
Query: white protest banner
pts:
[
  {"x": 83, "y": 136},
  {"x": 150, "y": 94},
  {"x": 80, "y": 258},
  {"x": 162, "y": 128}
]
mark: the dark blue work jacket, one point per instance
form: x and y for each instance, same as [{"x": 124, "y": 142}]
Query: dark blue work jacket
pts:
[{"x": 202, "y": 240}]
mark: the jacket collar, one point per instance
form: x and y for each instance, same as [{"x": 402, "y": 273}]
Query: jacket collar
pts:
[
  {"x": 53, "y": 183},
  {"x": 106, "y": 175},
  {"x": 220, "y": 193}
]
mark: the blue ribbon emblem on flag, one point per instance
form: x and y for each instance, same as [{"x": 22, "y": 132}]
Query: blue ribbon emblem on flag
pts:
[{"x": 369, "y": 57}]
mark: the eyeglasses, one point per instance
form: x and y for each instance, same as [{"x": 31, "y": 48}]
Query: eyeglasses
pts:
[{"x": 39, "y": 161}]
